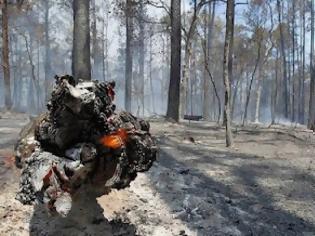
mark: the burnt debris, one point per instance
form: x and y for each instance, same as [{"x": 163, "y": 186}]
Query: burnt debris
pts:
[{"x": 80, "y": 141}]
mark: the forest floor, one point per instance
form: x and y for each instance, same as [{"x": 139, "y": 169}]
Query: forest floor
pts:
[{"x": 265, "y": 185}]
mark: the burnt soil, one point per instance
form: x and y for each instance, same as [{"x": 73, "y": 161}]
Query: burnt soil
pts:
[{"x": 265, "y": 185}]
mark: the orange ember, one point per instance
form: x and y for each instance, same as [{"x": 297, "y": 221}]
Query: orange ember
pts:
[{"x": 115, "y": 140}]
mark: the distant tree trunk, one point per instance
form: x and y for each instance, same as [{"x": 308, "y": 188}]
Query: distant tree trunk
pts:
[
  {"x": 230, "y": 7},
  {"x": 293, "y": 62},
  {"x": 129, "y": 58},
  {"x": 104, "y": 54},
  {"x": 34, "y": 83},
  {"x": 5, "y": 55},
  {"x": 275, "y": 91},
  {"x": 174, "y": 87},
  {"x": 150, "y": 74},
  {"x": 235, "y": 93},
  {"x": 251, "y": 82},
  {"x": 258, "y": 94},
  {"x": 81, "y": 62},
  {"x": 206, "y": 95},
  {"x": 302, "y": 99},
  {"x": 188, "y": 52},
  {"x": 284, "y": 62},
  {"x": 141, "y": 55},
  {"x": 311, "y": 120},
  {"x": 48, "y": 74},
  {"x": 94, "y": 39}
]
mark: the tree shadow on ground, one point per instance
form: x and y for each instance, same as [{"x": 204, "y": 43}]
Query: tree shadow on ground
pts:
[
  {"x": 85, "y": 218},
  {"x": 239, "y": 206}
]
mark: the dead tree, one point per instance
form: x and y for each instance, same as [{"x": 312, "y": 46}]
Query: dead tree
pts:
[
  {"x": 141, "y": 53},
  {"x": 48, "y": 74},
  {"x": 207, "y": 69},
  {"x": 5, "y": 55},
  {"x": 81, "y": 63},
  {"x": 311, "y": 119},
  {"x": 206, "y": 94},
  {"x": 227, "y": 60},
  {"x": 188, "y": 52},
  {"x": 174, "y": 87},
  {"x": 129, "y": 60},
  {"x": 284, "y": 62},
  {"x": 302, "y": 87}
]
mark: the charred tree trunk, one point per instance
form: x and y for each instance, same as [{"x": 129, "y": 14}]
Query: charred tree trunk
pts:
[
  {"x": 206, "y": 95},
  {"x": 311, "y": 119},
  {"x": 104, "y": 55},
  {"x": 293, "y": 62},
  {"x": 302, "y": 98},
  {"x": 129, "y": 59},
  {"x": 284, "y": 62},
  {"x": 258, "y": 94},
  {"x": 81, "y": 62},
  {"x": 141, "y": 55},
  {"x": 150, "y": 74},
  {"x": 48, "y": 73},
  {"x": 94, "y": 40},
  {"x": 5, "y": 55},
  {"x": 251, "y": 82},
  {"x": 174, "y": 87},
  {"x": 227, "y": 67}
]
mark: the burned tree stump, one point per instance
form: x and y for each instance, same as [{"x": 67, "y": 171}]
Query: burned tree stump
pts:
[{"x": 81, "y": 141}]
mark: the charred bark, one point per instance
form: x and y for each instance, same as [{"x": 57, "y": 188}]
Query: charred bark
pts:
[
  {"x": 5, "y": 55},
  {"x": 175, "y": 71},
  {"x": 227, "y": 66},
  {"x": 81, "y": 63}
]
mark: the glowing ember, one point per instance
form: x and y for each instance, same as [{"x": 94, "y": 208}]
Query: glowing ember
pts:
[{"x": 115, "y": 140}]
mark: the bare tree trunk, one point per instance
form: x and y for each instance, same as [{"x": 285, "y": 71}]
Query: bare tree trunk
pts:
[
  {"x": 235, "y": 93},
  {"x": 275, "y": 91},
  {"x": 258, "y": 94},
  {"x": 141, "y": 55},
  {"x": 251, "y": 83},
  {"x": 94, "y": 39},
  {"x": 206, "y": 95},
  {"x": 5, "y": 55},
  {"x": 302, "y": 101},
  {"x": 174, "y": 87},
  {"x": 150, "y": 75},
  {"x": 48, "y": 74},
  {"x": 188, "y": 52},
  {"x": 104, "y": 55},
  {"x": 293, "y": 62},
  {"x": 34, "y": 82},
  {"x": 129, "y": 59},
  {"x": 284, "y": 62},
  {"x": 311, "y": 120},
  {"x": 206, "y": 68},
  {"x": 226, "y": 69},
  {"x": 81, "y": 62}
]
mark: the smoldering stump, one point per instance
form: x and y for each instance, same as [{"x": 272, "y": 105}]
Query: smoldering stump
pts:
[{"x": 81, "y": 141}]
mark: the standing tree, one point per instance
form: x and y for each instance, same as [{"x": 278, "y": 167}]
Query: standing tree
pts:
[
  {"x": 284, "y": 60},
  {"x": 311, "y": 119},
  {"x": 227, "y": 66},
  {"x": 81, "y": 62},
  {"x": 128, "y": 61},
  {"x": 174, "y": 87},
  {"x": 5, "y": 54},
  {"x": 48, "y": 74}
]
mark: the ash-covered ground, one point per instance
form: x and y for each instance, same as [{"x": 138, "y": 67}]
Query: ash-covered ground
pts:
[{"x": 263, "y": 186}]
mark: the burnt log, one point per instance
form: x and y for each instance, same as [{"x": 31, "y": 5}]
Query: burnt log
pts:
[{"x": 81, "y": 141}]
